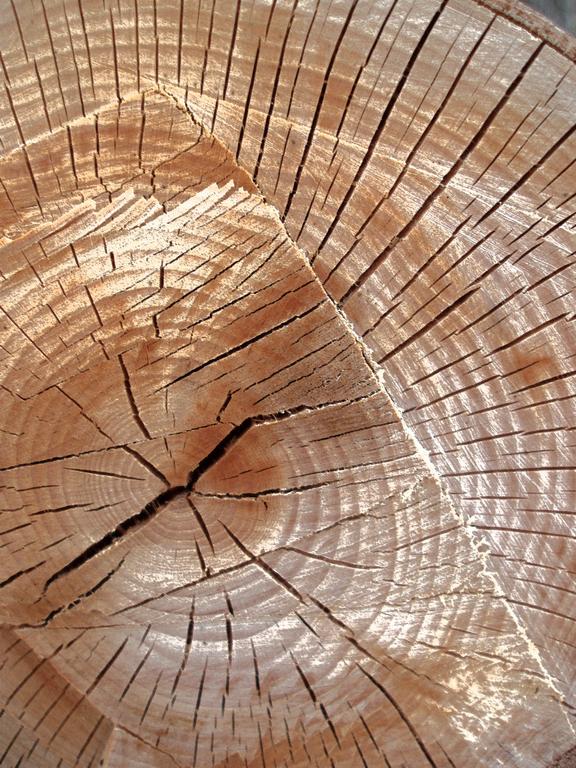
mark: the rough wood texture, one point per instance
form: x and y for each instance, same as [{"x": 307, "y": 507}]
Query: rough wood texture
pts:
[{"x": 287, "y": 363}]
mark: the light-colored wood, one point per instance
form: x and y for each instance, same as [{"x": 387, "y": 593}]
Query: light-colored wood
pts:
[{"x": 286, "y": 350}]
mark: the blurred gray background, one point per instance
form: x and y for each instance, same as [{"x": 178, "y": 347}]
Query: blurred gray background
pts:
[{"x": 561, "y": 12}]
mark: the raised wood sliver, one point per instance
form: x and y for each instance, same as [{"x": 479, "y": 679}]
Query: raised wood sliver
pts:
[{"x": 286, "y": 337}]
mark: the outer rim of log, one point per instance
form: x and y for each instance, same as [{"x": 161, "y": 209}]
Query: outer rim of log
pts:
[{"x": 535, "y": 23}]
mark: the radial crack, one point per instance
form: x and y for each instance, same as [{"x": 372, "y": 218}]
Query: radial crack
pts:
[
  {"x": 152, "y": 509},
  {"x": 133, "y": 406}
]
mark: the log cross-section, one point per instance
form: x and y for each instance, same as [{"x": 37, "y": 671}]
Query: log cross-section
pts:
[{"x": 286, "y": 385}]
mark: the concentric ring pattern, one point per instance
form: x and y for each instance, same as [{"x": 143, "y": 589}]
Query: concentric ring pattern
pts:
[{"x": 287, "y": 380}]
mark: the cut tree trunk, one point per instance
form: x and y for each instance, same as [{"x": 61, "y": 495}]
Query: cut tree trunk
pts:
[{"x": 287, "y": 388}]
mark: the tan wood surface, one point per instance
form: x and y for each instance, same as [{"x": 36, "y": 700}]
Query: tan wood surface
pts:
[{"x": 287, "y": 384}]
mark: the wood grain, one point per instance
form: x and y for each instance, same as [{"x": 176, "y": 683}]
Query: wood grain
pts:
[{"x": 287, "y": 353}]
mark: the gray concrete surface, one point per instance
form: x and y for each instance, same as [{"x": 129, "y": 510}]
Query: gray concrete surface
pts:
[{"x": 561, "y": 12}]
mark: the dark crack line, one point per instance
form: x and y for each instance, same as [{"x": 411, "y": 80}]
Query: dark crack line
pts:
[
  {"x": 242, "y": 346},
  {"x": 152, "y": 509},
  {"x": 204, "y": 529},
  {"x": 269, "y": 491},
  {"x": 306, "y": 599},
  {"x": 132, "y": 401},
  {"x": 67, "y": 607},
  {"x": 130, "y": 524}
]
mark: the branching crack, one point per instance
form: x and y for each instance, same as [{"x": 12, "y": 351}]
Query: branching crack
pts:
[{"x": 153, "y": 508}]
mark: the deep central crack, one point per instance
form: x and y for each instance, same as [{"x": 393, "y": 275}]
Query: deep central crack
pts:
[{"x": 153, "y": 508}]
